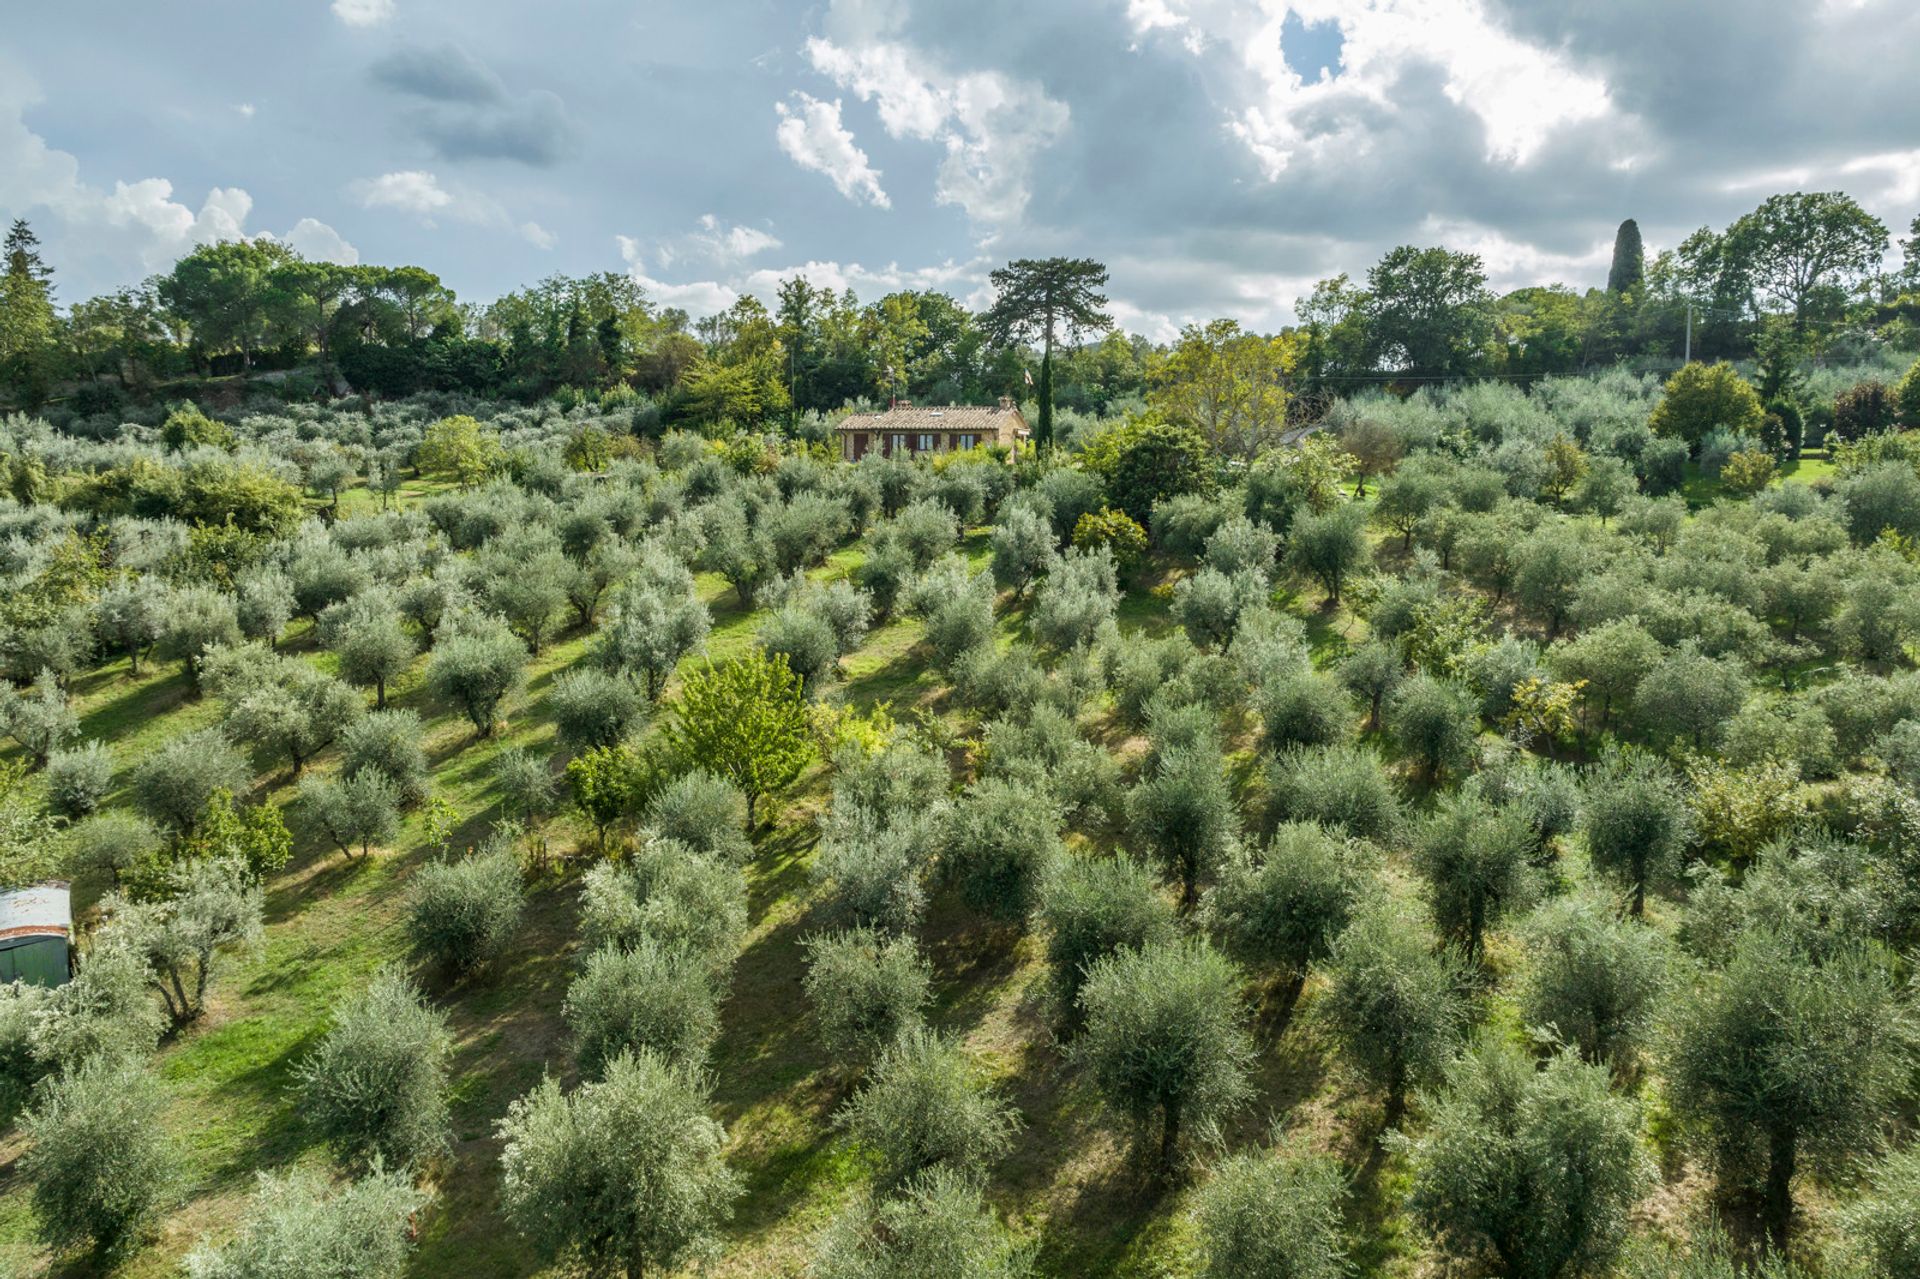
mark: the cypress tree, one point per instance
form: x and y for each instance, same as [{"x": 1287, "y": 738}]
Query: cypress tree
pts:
[{"x": 1629, "y": 267}]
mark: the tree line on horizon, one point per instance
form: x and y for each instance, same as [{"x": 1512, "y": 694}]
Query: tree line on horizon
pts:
[{"x": 1803, "y": 275}]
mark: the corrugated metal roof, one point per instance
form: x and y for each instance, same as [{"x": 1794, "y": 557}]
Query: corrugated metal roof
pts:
[{"x": 35, "y": 912}]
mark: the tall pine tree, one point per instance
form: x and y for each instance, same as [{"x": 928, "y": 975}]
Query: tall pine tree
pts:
[
  {"x": 1055, "y": 300},
  {"x": 26, "y": 315},
  {"x": 1629, "y": 267}
]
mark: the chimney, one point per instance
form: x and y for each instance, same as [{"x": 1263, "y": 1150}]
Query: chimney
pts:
[{"x": 1006, "y": 401}]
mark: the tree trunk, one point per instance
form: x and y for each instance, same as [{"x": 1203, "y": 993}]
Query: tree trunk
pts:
[
  {"x": 1169, "y": 1138},
  {"x": 380, "y": 694},
  {"x": 1781, "y": 1150}
]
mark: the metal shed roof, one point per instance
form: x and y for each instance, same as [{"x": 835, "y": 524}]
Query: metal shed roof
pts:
[{"x": 42, "y": 911}]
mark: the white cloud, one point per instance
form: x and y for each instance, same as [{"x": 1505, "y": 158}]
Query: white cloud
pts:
[
  {"x": 703, "y": 297},
  {"x": 245, "y": 110},
  {"x": 726, "y": 242},
  {"x": 315, "y": 241},
  {"x": 1522, "y": 94},
  {"x": 811, "y": 134},
  {"x": 538, "y": 236},
  {"x": 409, "y": 190},
  {"x": 992, "y": 125},
  {"x": 363, "y": 13}
]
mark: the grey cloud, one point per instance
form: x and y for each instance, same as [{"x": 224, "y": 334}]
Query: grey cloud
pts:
[
  {"x": 464, "y": 111},
  {"x": 441, "y": 73}
]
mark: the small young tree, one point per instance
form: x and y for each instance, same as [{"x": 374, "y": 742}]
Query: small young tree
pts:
[
  {"x": 1093, "y": 907},
  {"x": 1530, "y": 1173},
  {"x": 999, "y": 842},
  {"x": 1777, "y": 1061},
  {"x": 866, "y": 988},
  {"x": 1284, "y": 908},
  {"x": 1166, "y": 1039},
  {"x": 1474, "y": 857},
  {"x": 528, "y": 791},
  {"x": 1637, "y": 824},
  {"x": 1593, "y": 981},
  {"x": 376, "y": 1087},
  {"x": 1262, "y": 1217},
  {"x": 296, "y": 1227},
  {"x": 213, "y": 906},
  {"x": 358, "y": 811},
  {"x": 78, "y": 779},
  {"x": 925, "y": 1106},
  {"x": 374, "y": 650},
  {"x": 40, "y": 720},
  {"x": 100, "y": 1161},
  {"x": 938, "y": 1226},
  {"x": 592, "y": 708},
  {"x": 1393, "y": 1004},
  {"x": 745, "y": 720},
  {"x": 1705, "y": 397},
  {"x": 464, "y": 912},
  {"x": 626, "y": 1174},
  {"x": 477, "y": 669},
  {"x": 706, "y": 813},
  {"x": 1184, "y": 814}
]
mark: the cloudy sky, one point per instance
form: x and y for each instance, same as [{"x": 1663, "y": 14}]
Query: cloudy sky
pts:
[{"x": 1219, "y": 155}]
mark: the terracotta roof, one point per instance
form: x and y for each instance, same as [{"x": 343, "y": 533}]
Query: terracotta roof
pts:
[{"x": 956, "y": 417}]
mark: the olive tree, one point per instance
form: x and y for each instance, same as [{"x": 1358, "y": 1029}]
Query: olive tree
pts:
[
  {"x": 297, "y": 1227},
  {"x": 1882, "y": 1226},
  {"x": 177, "y": 778},
  {"x": 626, "y": 1174},
  {"x": 1330, "y": 546},
  {"x": 357, "y": 811},
  {"x": 923, "y": 1106},
  {"x": 1474, "y": 856},
  {"x": 476, "y": 668},
  {"x": 1343, "y": 787},
  {"x": 1637, "y": 824},
  {"x": 940, "y": 1225},
  {"x": 41, "y": 719},
  {"x": 212, "y": 906},
  {"x": 1283, "y": 907},
  {"x": 464, "y": 912},
  {"x": 648, "y": 996},
  {"x": 100, "y": 1161},
  {"x": 374, "y": 650},
  {"x": 705, "y": 812},
  {"x": 1394, "y": 1005},
  {"x": 592, "y": 708},
  {"x": 78, "y": 779},
  {"x": 1593, "y": 981},
  {"x": 388, "y": 743},
  {"x": 1093, "y": 907},
  {"x": 376, "y": 1086},
  {"x": 1431, "y": 722},
  {"x": 1266, "y": 1217},
  {"x": 1529, "y": 1173},
  {"x": 1165, "y": 1039},
  {"x": 1183, "y": 814},
  {"x": 867, "y": 988},
  {"x": 671, "y": 894},
  {"x": 1777, "y": 1062},
  {"x": 998, "y": 842}
]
